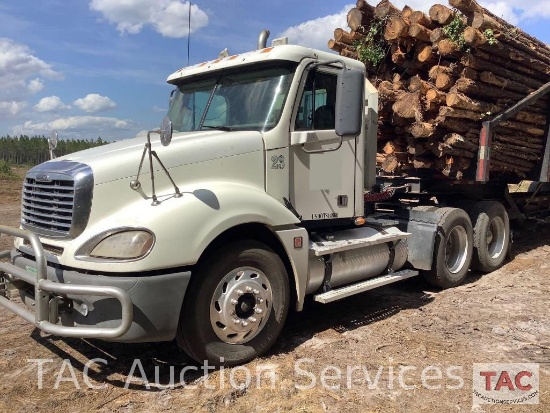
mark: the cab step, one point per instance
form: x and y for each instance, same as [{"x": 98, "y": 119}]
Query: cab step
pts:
[{"x": 370, "y": 284}]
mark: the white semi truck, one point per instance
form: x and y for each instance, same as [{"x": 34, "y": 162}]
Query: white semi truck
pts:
[{"x": 259, "y": 189}]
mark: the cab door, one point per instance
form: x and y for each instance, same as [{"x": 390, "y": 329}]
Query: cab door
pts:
[{"x": 322, "y": 163}]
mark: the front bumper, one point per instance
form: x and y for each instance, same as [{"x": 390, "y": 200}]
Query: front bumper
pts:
[{"x": 74, "y": 304}]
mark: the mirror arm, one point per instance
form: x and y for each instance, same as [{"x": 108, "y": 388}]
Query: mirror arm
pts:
[{"x": 135, "y": 184}]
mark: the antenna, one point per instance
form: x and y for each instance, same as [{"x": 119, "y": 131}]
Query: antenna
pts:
[{"x": 189, "y": 34}]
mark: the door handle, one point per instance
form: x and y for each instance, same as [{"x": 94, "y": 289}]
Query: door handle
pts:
[{"x": 323, "y": 150}]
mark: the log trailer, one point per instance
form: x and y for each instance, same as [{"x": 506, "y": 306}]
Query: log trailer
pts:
[{"x": 259, "y": 189}]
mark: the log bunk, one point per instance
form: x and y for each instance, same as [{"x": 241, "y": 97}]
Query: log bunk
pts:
[{"x": 440, "y": 77}]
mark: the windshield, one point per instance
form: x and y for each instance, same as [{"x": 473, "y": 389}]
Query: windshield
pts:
[{"x": 252, "y": 100}]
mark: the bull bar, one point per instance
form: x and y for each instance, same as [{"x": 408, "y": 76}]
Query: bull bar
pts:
[{"x": 45, "y": 310}]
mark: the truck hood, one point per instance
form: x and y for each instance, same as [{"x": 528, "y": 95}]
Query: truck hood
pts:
[{"x": 121, "y": 159}]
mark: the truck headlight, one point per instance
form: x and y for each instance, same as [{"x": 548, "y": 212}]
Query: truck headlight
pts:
[{"x": 122, "y": 244}]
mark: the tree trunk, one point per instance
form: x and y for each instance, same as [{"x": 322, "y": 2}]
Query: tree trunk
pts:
[
  {"x": 406, "y": 13},
  {"x": 441, "y": 14},
  {"x": 421, "y": 18},
  {"x": 408, "y": 105},
  {"x": 444, "y": 82},
  {"x": 447, "y": 47},
  {"x": 385, "y": 9},
  {"x": 483, "y": 90},
  {"x": 466, "y": 6},
  {"x": 437, "y": 35},
  {"x": 357, "y": 20},
  {"x": 417, "y": 31},
  {"x": 460, "y": 101},
  {"x": 479, "y": 63},
  {"x": 365, "y": 8},
  {"x": 416, "y": 84},
  {"x": 504, "y": 83},
  {"x": 340, "y": 35},
  {"x": 396, "y": 28},
  {"x": 424, "y": 53}
]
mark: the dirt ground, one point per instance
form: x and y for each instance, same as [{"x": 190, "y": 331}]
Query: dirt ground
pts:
[{"x": 403, "y": 348}]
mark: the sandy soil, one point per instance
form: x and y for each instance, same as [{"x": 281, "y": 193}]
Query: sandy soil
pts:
[{"x": 419, "y": 342}]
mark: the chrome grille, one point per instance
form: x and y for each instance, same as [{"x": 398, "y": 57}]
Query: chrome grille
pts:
[
  {"x": 56, "y": 198},
  {"x": 48, "y": 205}
]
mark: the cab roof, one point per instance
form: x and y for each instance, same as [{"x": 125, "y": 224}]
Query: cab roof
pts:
[{"x": 289, "y": 53}]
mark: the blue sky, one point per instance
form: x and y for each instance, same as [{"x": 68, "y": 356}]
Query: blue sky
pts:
[{"x": 90, "y": 68}]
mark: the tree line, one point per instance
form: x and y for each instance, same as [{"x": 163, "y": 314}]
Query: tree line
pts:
[{"x": 33, "y": 150}]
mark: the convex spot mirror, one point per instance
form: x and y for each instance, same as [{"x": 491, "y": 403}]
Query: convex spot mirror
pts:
[
  {"x": 166, "y": 131},
  {"x": 349, "y": 102}
]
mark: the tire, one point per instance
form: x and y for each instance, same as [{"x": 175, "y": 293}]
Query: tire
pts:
[
  {"x": 426, "y": 208},
  {"x": 491, "y": 235},
  {"x": 452, "y": 249},
  {"x": 236, "y": 305}
]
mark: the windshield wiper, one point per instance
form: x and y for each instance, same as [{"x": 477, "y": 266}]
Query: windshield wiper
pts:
[{"x": 224, "y": 128}]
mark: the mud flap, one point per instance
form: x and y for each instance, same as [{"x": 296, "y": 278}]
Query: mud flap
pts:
[{"x": 423, "y": 227}]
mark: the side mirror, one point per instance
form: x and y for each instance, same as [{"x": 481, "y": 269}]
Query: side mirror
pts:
[
  {"x": 166, "y": 131},
  {"x": 52, "y": 143},
  {"x": 349, "y": 102},
  {"x": 52, "y": 140}
]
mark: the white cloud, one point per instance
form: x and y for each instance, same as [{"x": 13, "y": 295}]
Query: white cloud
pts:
[
  {"x": 516, "y": 10},
  {"x": 35, "y": 85},
  {"x": 17, "y": 65},
  {"x": 316, "y": 33},
  {"x": 76, "y": 125},
  {"x": 11, "y": 109},
  {"x": 157, "y": 109},
  {"x": 50, "y": 104},
  {"x": 94, "y": 103},
  {"x": 167, "y": 17}
]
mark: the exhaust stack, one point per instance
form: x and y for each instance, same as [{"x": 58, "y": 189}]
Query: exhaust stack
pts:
[{"x": 262, "y": 39}]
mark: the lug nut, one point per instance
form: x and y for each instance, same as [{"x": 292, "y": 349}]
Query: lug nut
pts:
[
  {"x": 248, "y": 289},
  {"x": 240, "y": 292},
  {"x": 244, "y": 324},
  {"x": 255, "y": 292},
  {"x": 252, "y": 319},
  {"x": 259, "y": 311},
  {"x": 260, "y": 300},
  {"x": 236, "y": 321},
  {"x": 234, "y": 302},
  {"x": 232, "y": 312}
]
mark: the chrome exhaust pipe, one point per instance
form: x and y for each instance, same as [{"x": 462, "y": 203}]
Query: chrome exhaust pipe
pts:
[{"x": 262, "y": 40}]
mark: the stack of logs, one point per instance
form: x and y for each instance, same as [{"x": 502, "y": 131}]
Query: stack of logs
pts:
[{"x": 435, "y": 92}]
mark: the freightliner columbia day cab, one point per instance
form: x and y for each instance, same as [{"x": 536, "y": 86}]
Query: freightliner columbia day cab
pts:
[{"x": 258, "y": 190}]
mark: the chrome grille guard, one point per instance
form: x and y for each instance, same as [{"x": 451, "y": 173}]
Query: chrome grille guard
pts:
[{"x": 44, "y": 312}]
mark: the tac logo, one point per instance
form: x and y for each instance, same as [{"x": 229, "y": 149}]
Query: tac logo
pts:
[{"x": 506, "y": 384}]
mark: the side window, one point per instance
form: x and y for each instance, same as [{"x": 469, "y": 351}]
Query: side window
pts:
[{"x": 316, "y": 110}]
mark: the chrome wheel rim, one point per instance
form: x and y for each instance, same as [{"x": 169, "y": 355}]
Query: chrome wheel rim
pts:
[
  {"x": 241, "y": 305},
  {"x": 456, "y": 250},
  {"x": 496, "y": 237}
]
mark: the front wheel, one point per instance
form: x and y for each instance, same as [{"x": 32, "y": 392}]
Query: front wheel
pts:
[
  {"x": 452, "y": 250},
  {"x": 236, "y": 305}
]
